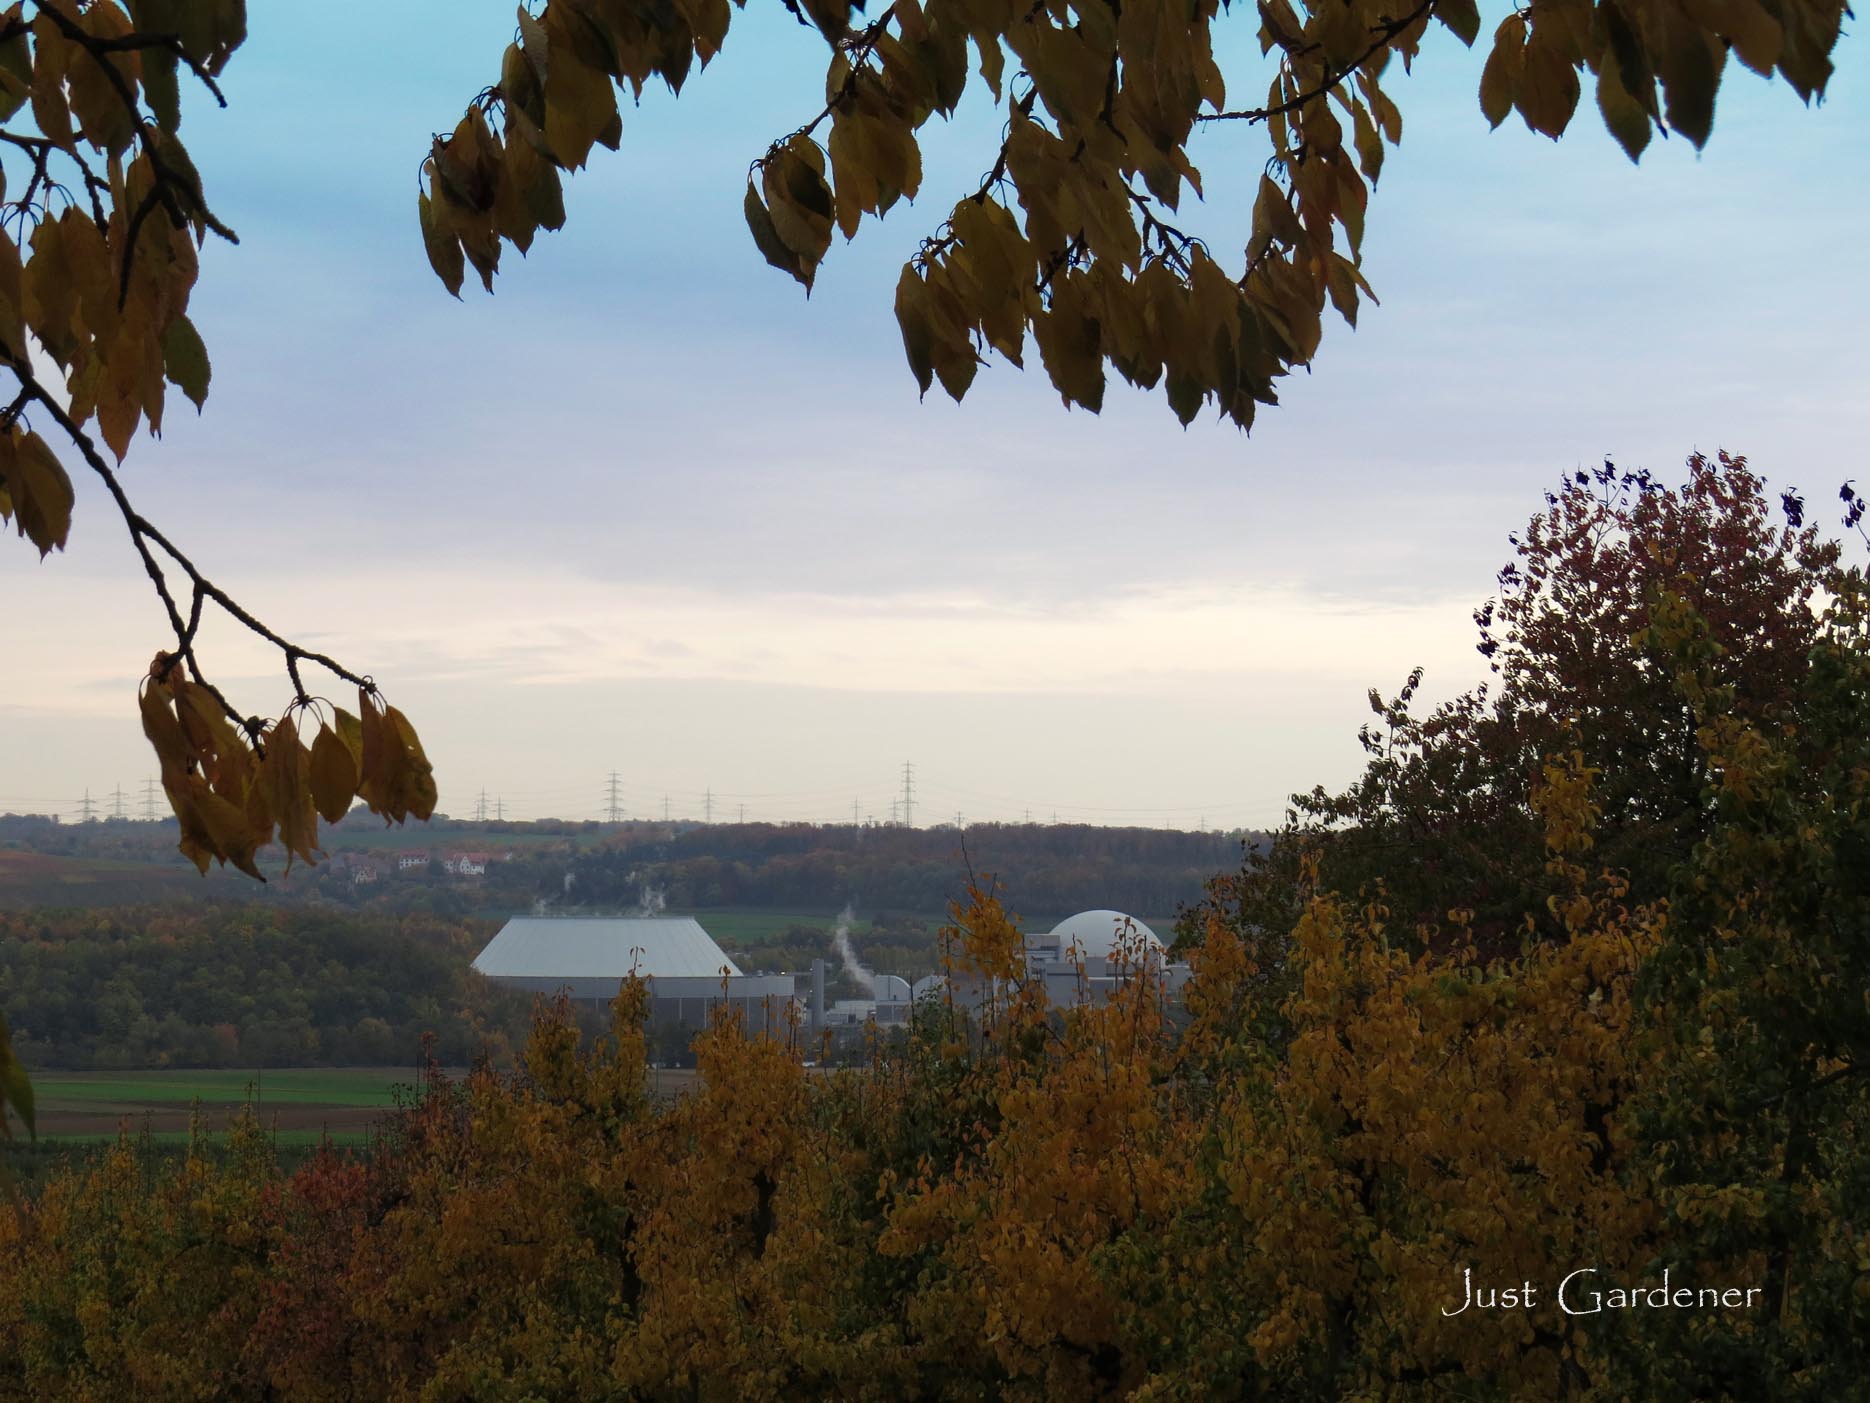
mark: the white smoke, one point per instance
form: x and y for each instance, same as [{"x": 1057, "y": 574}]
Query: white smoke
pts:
[
  {"x": 653, "y": 902},
  {"x": 854, "y": 967}
]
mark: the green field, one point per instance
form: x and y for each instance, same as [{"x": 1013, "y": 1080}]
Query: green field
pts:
[
  {"x": 329, "y": 1086},
  {"x": 299, "y": 1105},
  {"x": 282, "y": 1139}
]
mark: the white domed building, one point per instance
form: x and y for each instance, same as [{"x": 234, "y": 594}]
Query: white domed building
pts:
[{"x": 1085, "y": 957}]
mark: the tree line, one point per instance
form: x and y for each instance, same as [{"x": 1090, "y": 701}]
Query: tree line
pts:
[{"x": 1054, "y": 869}]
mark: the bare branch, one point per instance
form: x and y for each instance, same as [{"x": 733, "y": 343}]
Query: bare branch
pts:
[{"x": 144, "y": 535}]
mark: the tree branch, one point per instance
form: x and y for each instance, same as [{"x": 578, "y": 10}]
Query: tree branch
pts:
[
  {"x": 1385, "y": 32},
  {"x": 172, "y": 42},
  {"x": 144, "y": 535},
  {"x": 168, "y": 180}
]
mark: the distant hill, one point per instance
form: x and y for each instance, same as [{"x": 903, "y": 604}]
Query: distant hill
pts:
[{"x": 460, "y": 869}]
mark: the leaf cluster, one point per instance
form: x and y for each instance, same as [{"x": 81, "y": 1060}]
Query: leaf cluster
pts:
[
  {"x": 98, "y": 259},
  {"x": 235, "y": 790},
  {"x": 1069, "y": 236},
  {"x": 1453, "y": 784}
]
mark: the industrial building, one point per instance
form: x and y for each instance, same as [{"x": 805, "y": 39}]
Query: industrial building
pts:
[
  {"x": 889, "y": 1005},
  {"x": 587, "y": 958},
  {"x": 1085, "y": 958},
  {"x": 1081, "y": 960}
]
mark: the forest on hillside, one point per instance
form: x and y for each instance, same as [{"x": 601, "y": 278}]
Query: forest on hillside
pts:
[
  {"x": 246, "y": 986},
  {"x": 1047, "y": 869},
  {"x": 1051, "y": 869}
]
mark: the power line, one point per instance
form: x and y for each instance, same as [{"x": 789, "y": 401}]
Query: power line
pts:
[
  {"x": 614, "y": 811},
  {"x": 480, "y": 806},
  {"x": 116, "y": 803},
  {"x": 149, "y": 800},
  {"x": 707, "y": 807},
  {"x": 909, "y": 795},
  {"x": 88, "y": 809}
]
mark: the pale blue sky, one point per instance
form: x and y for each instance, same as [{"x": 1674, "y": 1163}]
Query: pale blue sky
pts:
[{"x": 649, "y": 509}]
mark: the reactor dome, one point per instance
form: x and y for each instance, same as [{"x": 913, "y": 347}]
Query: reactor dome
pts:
[{"x": 1096, "y": 934}]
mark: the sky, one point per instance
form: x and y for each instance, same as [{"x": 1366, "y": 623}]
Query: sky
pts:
[{"x": 651, "y": 511}]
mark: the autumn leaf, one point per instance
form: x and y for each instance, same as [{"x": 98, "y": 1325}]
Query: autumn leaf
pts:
[
  {"x": 38, "y": 489},
  {"x": 185, "y": 360},
  {"x": 333, "y": 775}
]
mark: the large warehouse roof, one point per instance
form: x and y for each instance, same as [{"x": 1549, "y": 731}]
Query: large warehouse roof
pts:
[{"x": 593, "y": 947}]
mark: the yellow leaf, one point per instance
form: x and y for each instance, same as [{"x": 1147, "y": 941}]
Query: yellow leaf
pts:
[
  {"x": 397, "y": 778},
  {"x": 580, "y": 102},
  {"x": 285, "y": 776},
  {"x": 229, "y": 828},
  {"x": 1369, "y": 144},
  {"x": 162, "y": 729},
  {"x": 766, "y": 238},
  {"x": 41, "y": 492},
  {"x": 1500, "y": 77},
  {"x": 1069, "y": 343},
  {"x": 912, "y": 317},
  {"x": 1691, "y": 63},
  {"x": 443, "y": 249},
  {"x": 800, "y": 204},
  {"x": 1623, "y": 114},
  {"x": 1548, "y": 88},
  {"x": 333, "y": 775},
  {"x": 12, "y": 299},
  {"x": 185, "y": 360}
]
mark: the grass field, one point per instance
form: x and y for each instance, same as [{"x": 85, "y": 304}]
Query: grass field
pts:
[
  {"x": 340, "y": 1086},
  {"x": 300, "y": 1104}
]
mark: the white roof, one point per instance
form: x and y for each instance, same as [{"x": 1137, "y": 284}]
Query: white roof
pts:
[
  {"x": 1095, "y": 933},
  {"x": 595, "y": 947}
]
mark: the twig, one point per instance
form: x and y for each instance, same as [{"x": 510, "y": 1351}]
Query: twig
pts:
[
  {"x": 167, "y": 180},
  {"x": 143, "y": 535},
  {"x": 1385, "y": 32}
]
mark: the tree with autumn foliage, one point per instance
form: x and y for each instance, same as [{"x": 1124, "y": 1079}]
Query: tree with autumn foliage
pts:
[{"x": 1453, "y": 784}]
